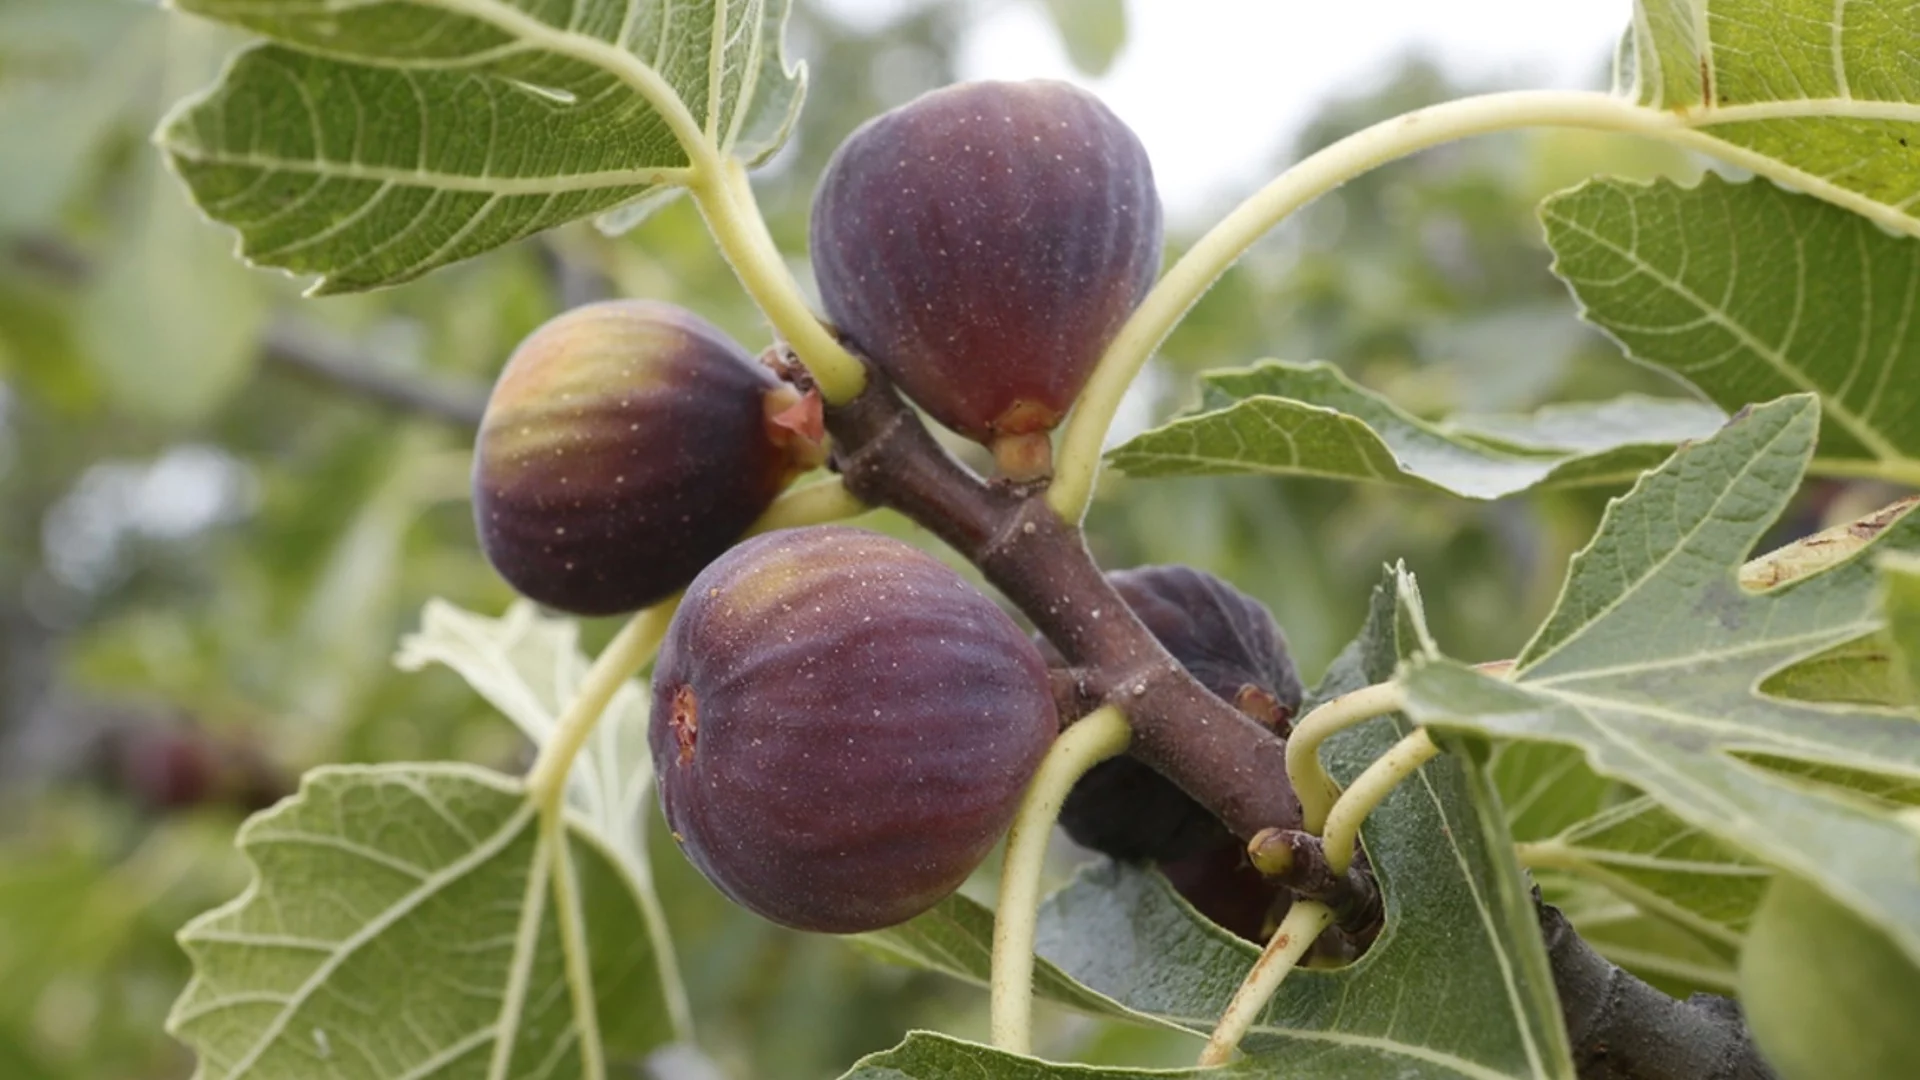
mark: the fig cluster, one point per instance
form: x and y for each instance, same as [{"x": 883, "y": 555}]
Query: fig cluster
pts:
[
  {"x": 982, "y": 245},
  {"x": 842, "y": 727},
  {"x": 625, "y": 446}
]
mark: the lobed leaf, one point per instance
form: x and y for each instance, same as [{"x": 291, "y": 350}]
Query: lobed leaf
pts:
[
  {"x": 1309, "y": 419},
  {"x": 1817, "y": 94},
  {"x": 1461, "y": 936},
  {"x": 409, "y": 920},
  {"x": 529, "y": 666},
  {"x": 1650, "y": 663},
  {"x": 1751, "y": 292},
  {"x": 370, "y": 142}
]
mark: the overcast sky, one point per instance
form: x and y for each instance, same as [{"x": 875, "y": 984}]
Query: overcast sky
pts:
[{"x": 1215, "y": 87}]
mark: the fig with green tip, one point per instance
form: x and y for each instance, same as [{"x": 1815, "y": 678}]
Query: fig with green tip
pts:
[
  {"x": 983, "y": 244},
  {"x": 626, "y": 445},
  {"x": 842, "y": 727},
  {"x": 1826, "y": 993}
]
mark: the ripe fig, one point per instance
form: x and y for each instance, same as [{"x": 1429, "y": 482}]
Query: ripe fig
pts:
[
  {"x": 842, "y": 727},
  {"x": 1222, "y": 885},
  {"x": 982, "y": 244},
  {"x": 1229, "y": 642},
  {"x": 626, "y": 445}
]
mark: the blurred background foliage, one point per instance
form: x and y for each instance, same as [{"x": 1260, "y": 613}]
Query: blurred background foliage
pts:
[{"x": 221, "y": 504}]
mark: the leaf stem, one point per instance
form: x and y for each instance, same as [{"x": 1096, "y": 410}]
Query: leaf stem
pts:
[
  {"x": 573, "y": 938},
  {"x": 1901, "y": 471},
  {"x": 725, "y": 197},
  {"x": 814, "y": 504},
  {"x": 1367, "y": 791},
  {"x": 629, "y": 650},
  {"x": 1078, "y": 460},
  {"x": 1304, "y": 921},
  {"x": 1311, "y": 784},
  {"x": 1096, "y": 737}
]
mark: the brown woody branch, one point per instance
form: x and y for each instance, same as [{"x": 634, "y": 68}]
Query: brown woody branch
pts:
[{"x": 1225, "y": 760}]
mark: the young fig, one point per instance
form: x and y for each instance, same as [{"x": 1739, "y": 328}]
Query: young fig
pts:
[
  {"x": 982, "y": 245},
  {"x": 1229, "y": 642},
  {"x": 626, "y": 445},
  {"x": 842, "y": 727}
]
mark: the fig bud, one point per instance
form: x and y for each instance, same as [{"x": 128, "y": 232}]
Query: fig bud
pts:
[
  {"x": 625, "y": 446},
  {"x": 842, "y": 727},
  {"x": 983, "y": 244}
]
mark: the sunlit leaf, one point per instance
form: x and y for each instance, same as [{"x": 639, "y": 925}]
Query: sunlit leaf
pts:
[
  {"x": 1649, "y": 665},
  {"x": 1817, "y": 94},
  {"x": 529, "y": 666},
  {"x": 1311, "y": 420},
  {"x": 1751, "y": 292},
  {"x": 369, "y": 143}
]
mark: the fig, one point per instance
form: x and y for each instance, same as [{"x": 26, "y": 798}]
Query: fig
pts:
[
  {"x": 1122, "y": 807},
  {"x": 842, "y": 727},
  {"x": 1223, "y": 885},
  {"x": 982, "y": 244},
  {"x": 626, "y": 445}
]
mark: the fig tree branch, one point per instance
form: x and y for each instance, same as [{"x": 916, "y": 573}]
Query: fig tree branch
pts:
[
  {"x": 1623, "y": 1029},
  {"x": 1221, "y": 757},
  {"x": 309, "y": 355}
]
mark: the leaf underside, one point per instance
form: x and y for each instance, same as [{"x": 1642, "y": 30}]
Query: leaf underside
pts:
[
  {"x": 369, "y": 143},
  {"x": 1650, "y": 662}
]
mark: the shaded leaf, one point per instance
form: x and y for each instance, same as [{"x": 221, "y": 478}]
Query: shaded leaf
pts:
[
  {"x": 370, "y": 143},
  {"x": 1648, "y": 666},
  {"x": 926, "y": 1055},
  {"x": 1282, "y": 418}
]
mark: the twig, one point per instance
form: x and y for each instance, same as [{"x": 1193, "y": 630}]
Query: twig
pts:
[{"x": 306, "y": 353}]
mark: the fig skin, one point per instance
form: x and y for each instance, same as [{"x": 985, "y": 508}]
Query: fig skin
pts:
[
  {"x": 983, "y": 243},
  {"x": 626, "y": 445},
  {"x": 842, "y": 727},
  {"x": 1230, "y": 643},
  {"x": 1223, "y": 886}
]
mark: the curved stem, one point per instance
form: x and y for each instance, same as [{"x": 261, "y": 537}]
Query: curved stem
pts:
[
  {"x": 815, "y": 504},
  {"x": 1897, "y": 471},
  {"x": 725, "y": 198},
  {"x": 1304, "y": 921},
  {"x": 1100, "y": 735},
  {"x": 1311, "y": 784},
  {"x": 626, "y": 654},
  {"x": 1078, "y": 459},
  {"x": 1367, "y": 791}
]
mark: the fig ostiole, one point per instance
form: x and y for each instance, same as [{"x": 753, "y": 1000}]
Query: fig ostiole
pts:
[
  {"x": 842, "y": 727},
  {"x": 982, "y": 244},
  {"x": 626, "y": 445}
]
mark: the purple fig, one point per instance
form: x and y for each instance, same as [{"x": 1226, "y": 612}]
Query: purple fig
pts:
[
  {"x": 1229, "y": 642},
  {"x": 983, "y": 244},
  {"x": 842, "y": 727},
  {"x": 626, "y": 445}
]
